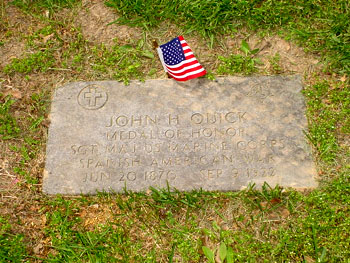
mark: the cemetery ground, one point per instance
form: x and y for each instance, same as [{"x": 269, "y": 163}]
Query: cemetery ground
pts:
[{"x": 46, "y": 44}]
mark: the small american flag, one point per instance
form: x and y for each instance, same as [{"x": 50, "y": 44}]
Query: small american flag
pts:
[{"x": 178, "y": 60}]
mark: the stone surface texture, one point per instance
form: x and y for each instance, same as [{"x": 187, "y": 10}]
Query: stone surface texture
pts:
[{"x": 214, "y": 135}]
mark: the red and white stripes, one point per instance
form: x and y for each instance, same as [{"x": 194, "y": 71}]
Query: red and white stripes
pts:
[{"x": 187, "y": 69}]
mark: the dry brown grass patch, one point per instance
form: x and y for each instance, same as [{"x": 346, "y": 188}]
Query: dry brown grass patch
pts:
[{"x": 97, "y": 214}]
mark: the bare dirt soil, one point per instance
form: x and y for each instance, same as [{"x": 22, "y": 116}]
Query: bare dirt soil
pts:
[{"x": 94, "y": 17}]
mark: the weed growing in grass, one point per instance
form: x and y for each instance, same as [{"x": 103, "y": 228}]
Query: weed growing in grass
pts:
[
  {"x": 243, "y": 64},
  {"x": 8, "y": 124},
  {"x": 236, "y": 64},
  {"x": 166, "y": 196},
  {"x": 224, "y": 253},
  {"x": 328, "y": 109},
  {"x": 38, "y": 105},
  {"x": 76, "y": 52},
  {"x": 28, "y": 152},
  {"x": 29, "y": 147},
  {"x": 38, "y": 5},
  {"x": 40, "y": 61},
  {"x": 275, "y": 64},
  {"x": 122, "y": 62},
  {"x": 12, "y": 248}
]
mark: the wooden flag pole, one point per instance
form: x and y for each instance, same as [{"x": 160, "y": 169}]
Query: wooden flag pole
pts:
[{"x": 156, "y": 46}]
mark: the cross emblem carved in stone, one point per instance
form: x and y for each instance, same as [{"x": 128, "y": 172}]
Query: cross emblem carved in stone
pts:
[{"x": 92, "y": 95}]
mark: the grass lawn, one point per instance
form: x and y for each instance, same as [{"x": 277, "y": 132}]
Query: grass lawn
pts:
[{"x": 45, "y": 44}]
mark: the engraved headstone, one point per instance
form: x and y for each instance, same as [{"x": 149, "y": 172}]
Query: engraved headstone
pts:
[{"x": 214, "y": 135}]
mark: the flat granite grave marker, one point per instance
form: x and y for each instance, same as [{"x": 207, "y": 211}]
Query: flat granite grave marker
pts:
[{"x": 214, "y": 135}]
